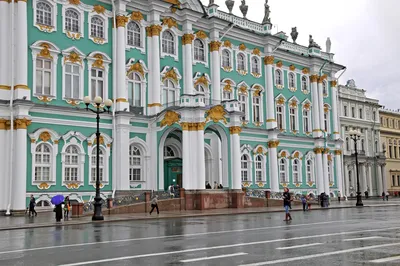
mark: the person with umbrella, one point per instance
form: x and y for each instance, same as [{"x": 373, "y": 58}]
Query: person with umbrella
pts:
[{"x": 58, "y": 200}]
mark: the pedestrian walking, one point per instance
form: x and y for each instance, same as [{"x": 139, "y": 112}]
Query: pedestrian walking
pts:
[
  {"x": 286, "y": 204},
  {"x": 387, "y": 195},
  {"x": 32, "y": 205},
  {"x": 67, "y": 208},
  {"x": 215, "y": 185},
  {"x": 208, "y": 186},
  {"x": 339, "y": 196},
  {"x": 171, "y": 191},
  {"x": 308, "y": 202},
  {"x": 304, "y": 202},
  {"x": 154, "y": 204}
]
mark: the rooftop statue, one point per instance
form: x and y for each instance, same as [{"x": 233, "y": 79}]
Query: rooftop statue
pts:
[
  {"x": 266, "y": 19},
  {"x": 244, "y": 8},
  {"x": 312, "y": 43},
  {"x": 229, "y": 4},
  {"x": 294, "y": 34},
  {"x": 351, "y": 83},
  {"x": 328, "y": 45}
]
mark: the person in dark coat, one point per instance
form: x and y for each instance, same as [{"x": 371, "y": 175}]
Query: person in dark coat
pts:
[
  {"x": 32, "y": 204},
  {"x": 67, "y": 208},
  {"x": 58, "y": 209},
  {"x": 286, "y": 203}
]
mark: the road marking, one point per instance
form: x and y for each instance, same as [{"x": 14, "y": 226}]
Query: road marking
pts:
[
  {"x": 215, "y": 257},
  {"x": 224, "y": 246},
  {"x": 320, "y": 255},
  {"x": 164, "y": 237},
  {"x": 362, "y": 238},
  {"x": 300, "y": 246},
  {"x": 385, "y": 259}
]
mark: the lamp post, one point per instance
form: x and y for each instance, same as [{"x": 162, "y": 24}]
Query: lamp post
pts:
[
  {"x": 355, "y": 135},
  {"x": 98, "y": 101}
]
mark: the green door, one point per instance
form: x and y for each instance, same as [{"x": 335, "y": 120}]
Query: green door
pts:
[{"x": 172, "y": 172}]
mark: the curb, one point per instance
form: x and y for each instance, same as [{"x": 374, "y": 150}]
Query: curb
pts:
[{"x": 178, "y": 216}]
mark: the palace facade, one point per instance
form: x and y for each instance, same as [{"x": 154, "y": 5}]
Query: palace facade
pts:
[{"x": 199, "y": 96}]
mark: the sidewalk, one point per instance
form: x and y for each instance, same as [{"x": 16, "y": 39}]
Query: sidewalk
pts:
[{"x": 47, "y": 219}]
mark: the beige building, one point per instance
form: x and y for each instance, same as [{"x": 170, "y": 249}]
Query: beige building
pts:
[{"x": 390, "y": 138}]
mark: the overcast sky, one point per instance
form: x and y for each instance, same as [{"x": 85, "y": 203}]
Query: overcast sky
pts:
[{"x": 365, "y": 37}]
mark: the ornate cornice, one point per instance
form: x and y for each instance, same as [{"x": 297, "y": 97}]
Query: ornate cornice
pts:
[
  {"x": 235, "y": 130},
  {"x": 187, "y": 38},
  {"x": 215, "y": 45}
]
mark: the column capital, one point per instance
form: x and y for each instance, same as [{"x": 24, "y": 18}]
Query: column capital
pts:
[
  {"x": 269, "y": 60},
  {"x": 338, "y": 152},
  {"x": 322, "y": 78},
  {"x": 153, "y": 30},
  {"x": 121, "y": 21},
  {"x": 235, "y": 130},
  {"x": 189, "y": 126},
  {"x": 215, "y": 45},
  {"x": 326, "y": 150},
  {"x": 318, "y": 150},
  {"x": 187, "y": 38},
  {"x": 313, "y": 78},
  {"x": 333, "y": 83},
  {"x": 22, "y": 123},
  {"x": 273, "y": 144},
  {"x": 4, "y": 123}
]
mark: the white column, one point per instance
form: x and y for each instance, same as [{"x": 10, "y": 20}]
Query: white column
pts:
[
  {"x": 379, "y": 179},
  {"x": 187, "y": 41},
  {"x": 187, "y": 178},
  {"x": 21, "y": 52},
  {"x": 235, "y": 149},
  {"x": 3, "y": 165},
  {"x": 321, "y": 103},
  {"x": 384, "y": 178},
  {"x": 363, "y": 176},
  {"x": 20, "y": 165},
  {"x": 122, "y": 153},
  {"x": 201, "y": 163},
  {"x": 155, "y": 102},
  {"x": 4, "y": 51},
  {"x": 216, "y": 162},
  {"x": 271, "y": 119},
  {"x": 325, "y": 171},
  {"x": 346, "y": 180},
  {"x": 215, "y": 66},
  {"x": 121, "y": 91},
  {"x": 336, "y": 134},
  {"x": 315, "y": 107},
  {"x": 320, "y": 173},
  {"x": 150, "y": 67},
  {"x": 370, "y": 190},
  {"x": 339, "y": 173},
  {"x": 354, "y": 178},
  {"x": 273, "y": 165}
]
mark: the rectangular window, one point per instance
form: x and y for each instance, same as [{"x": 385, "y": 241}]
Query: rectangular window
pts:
[
  {"x": 256, "y": 109},
  {"x": 72, "y": 81},
  {"x": 135, "y": 94},
  {"x": 97, "y": 80},
  {"x": 43, "y": 76},
  {"x": 292, "y": 117},
  {"x": 227, "y": 95},
  {"x": 393, "y": 180},
  {"x": 279, "y": 116},
  {"x": 134, "y": 174},
  {"x": 306, "y": 121},
  {"x": 244, "y": 172},
  {"x": 398, "y": 180},
  {"x": 242, "y": 104},
  {"x": 353, "y": 112},
  {"x": 361, "y": 114},
  {"x": 374, "y": 115},
  {"x": 326, "y": 122},
  {"x": 345, "y": 110}
]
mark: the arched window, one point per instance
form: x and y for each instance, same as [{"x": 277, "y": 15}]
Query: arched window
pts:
[
  {"x": 347, "y": 144},
  {"x": 169, "y": 152},
  {"x": 97, "y": 27},
  {"x": 135, "y": 164},
  {"x": 133, "y": 34},
  {"x": 278, "y": 77},
  {"x": 324, "y": 88},
  {"x": 169, "y": 93},
  {"x": 43, "y": 14},
  {"x": 168, "y": 42},
  {"x": 259, "y": 168},
  {"x": 101, "y": 164},
  {"x": 134, "y": 89},
  {"x": 282, "y": 171},
  {"x": 72, "y": 20},
  {"x": 292, "y": 80},
  {"x": 304, "y": 84},
  {"x": 245, "y": 168},
  {"x": 309, "y": 171},
  {"x": 241, "y": 62},
  {"x": 226, "y": 59},
  {"x": 201, "y": 90},
  {"x": 280, "y": 117},
  {"x": 255, "y": 65},
  {"x": 296, "y": 171},
  {"x": 42, "y": 162},
  {"x": 199, "y": 51},
  {"x": 71, "y": 170},
  {"x": 306, "y": 121}
]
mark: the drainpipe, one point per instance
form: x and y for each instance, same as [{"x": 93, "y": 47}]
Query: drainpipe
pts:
[
  {"x": 114, "y": 135},
  {"x": 10, "y": 172},
  {"x": 231, "y": 27}
]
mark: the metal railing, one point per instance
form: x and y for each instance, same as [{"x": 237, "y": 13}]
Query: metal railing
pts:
[{"x": 130, "y": 199}]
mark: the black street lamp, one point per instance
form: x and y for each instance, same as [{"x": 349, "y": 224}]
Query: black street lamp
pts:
[
  {"x": 98, "y": 101},
  {"x": 355, "y": 135}
]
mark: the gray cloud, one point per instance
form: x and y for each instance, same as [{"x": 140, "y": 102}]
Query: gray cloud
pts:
[{"x": 365, "y": 37}]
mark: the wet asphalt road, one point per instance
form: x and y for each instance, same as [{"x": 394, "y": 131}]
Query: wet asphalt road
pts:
[{"x": 368, "y": 236}]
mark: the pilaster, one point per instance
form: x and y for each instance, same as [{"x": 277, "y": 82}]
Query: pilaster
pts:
[
  {"x": 122, "y": 152},
  {"x": 379, "y": 179},
  {"x": 273, "y": 164},
  {"x": 121, "y": 91},
  {"x": 317, "y": 132},
  {"x": 201, "y": 163},
  {"x": 321, "y": 101},
  {"x": 335, "y": 100},
  {"x": 384, "y": 177},
  {"x": 325, "y": 170},
  {"x": 3, "y": 164},
  {"x": 5, "y": 49},
  {"x": 235, "y": 147},
  {"x": 153, "y": 33},
  {"x": 271, "y": 119},
  {"x": 339, "y": 172},
  {"x": 215, "y": 66},
  {"x": 363, "y": 176},
  {"x": 187, "y": 42},
  {"x": 369, "y": 178},
  {"x": 320, "y": 174},
  {"x": 346, "y": 180}
]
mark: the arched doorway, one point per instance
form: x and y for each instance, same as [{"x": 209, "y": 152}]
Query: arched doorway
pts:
[{"x": 171, "y": 159}]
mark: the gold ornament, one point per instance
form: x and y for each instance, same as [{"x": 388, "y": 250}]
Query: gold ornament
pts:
[
  {"x": 45, "y": 52},
  {"x": 72, "y": 186},
  {"x": 280, "y": 101},
  {"x": 216, "y": 114},
  {"x": 292, "y": 67},
  {"x": 293, "y": 104},
  {"x": 170, "y": 22},
  {"x": 201, "y": 80},
  {"x": 187, "y": 38},
  {"x": 137, "y": 67},
  {"x": 73, "y": 36},
  {"x": 307, "y": 106},
  {"x": 227, "y": 43},
  {"x": 273, "y": 143},
  {"x": 73, "y": 58},
  {"x": 257, "y": 92},
  {"x": 243, "y": 90},
  {"x": 333, "y": 83},
  {"x": 43, "y": 185},
  {"x": 259, "y": 150},
  {"x": 242, "y": 47},
  {"x": 279, "y": 64},
  {"x": 269, "y": 60},
  {"x": 137, "y": 16},
  {"x": 98, "y": 62},
  {"x": 45, "y": 136},
  {"x": 235, "y": 130},
  {"x": 153, "y": 30},
  {"x": 99, "y": 9},
  {"x": 22, "y": 123},
  {"x": 121, "y": 21},
  {"x": 314, "y": 78},
  {"x": 256, "y": 51},
  {"x": 171, "y": 74},
  {"x": 296, "y": 155},
  {"x": 228, "y": 86},
  {"x": 318, "y": 150},
  {"x": 174, "y": 2},
  {"x": 101, "y": 140},
  {"x": 154, "y": 105},
  {"x": 170, "y": 118},
  {"x": 305, "y": 71},
  {"x": 201, "y": 35},
  {"x": 283, "y": 154},
  {"x": 326, "y": 109},
  {"x": 75, "y": 2},
  {"x": 310, "y": 183},
  {"x": 338, "y": 152},
  {"x": 322, "y": 78},
  {"x": 214, "y": 46}
]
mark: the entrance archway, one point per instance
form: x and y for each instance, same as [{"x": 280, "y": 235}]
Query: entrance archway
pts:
[{"x": 170, "y": 159}]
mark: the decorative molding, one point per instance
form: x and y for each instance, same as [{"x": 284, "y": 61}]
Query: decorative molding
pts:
[
  {"x": 269, "y": 60},
  {"x": 170, "y": 118},
  {"x": 137, "y": 16},
  {"x": 187, "y": 39},
  {"x": 169, "y": 22},
  {"x": 256, "y": 51},
  {"x": 153, "y": 30},
  {"x": 99, "y": 9},
  {"x": 227, "y": 43},
  {"x": 22, "y": 123},
  {"x": 279, "y": 64},
  {"x": 305, "y": 71},
  {"x": 273, "y": 143},
  {"x": 235, "y": 130},
  {"x": 313, "y": 78},
  {"x": 242, "y": 47},
  {"x": 121, "y": 21},
  {"x": 201, "y": 35},
  {"x": 215, "y": 46},
  {"x": 216, "y": 114}
]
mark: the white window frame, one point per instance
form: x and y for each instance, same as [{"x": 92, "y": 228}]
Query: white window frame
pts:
[
  {"x": 325, "y": 89},
  {"x": 106, "y": 153},
  {"x": 296, "y": 116},
  {"x": 135, "y": 167},
  {"x": 81, "y": 65},
  {"x": 283, "y": 105},
  {"x": 259, "y": 66},
  {"x": 292, "y": 88},
  {"x": 246, "y": 63},
  {"x": 309, "y": 124},
  {"x": 230, "y": 67},
  {"x": 206, "y": 87},
  {"x": 244, "y": 99},
  {"x": 175, "y": 34},
  {"x": 299, "y": 171},
  {"x": 142, "y": 47},
  {"x": 248, "y": 169},
  {"x": 224, "y": 93},
  {"x": 254, "y": 98},
  {"x": 176, "y": 84},
  {"x": 307, "y": 89},
  {"x": 277, "y": 85},
  {"x": 331, "y": 178},
  {"x": 311, "y": 172},
  {"x": 91, "y": 60},
  {"x": 205, "y": 42},
  {"x": 76, "y": 139},
  {"x": 70, "y": 34},
  {"x": 327, "y": 119},
  {"x": 134, "y": 81},
  {"x": 262, "y": 169},
  {"x": 105, "y": 19},
  {"x": 285, "y": 172},
  {"x": 45, "y": 28}
]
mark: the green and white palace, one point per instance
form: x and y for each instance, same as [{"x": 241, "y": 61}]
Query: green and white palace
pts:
[{"x": 199, "y": 95}]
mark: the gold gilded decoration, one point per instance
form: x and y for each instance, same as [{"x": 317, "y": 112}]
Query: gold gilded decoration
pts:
[
  {"x": 174, "y": 2},
  {"x": 259, "y": 150},
  {"x": 89, "y": 143},
  {"x": 121, "y": 21},
  {"x": 153, "y": 30},
  {"x": 227, "y": 69},
  {"x": 99, "y": 9},
  {"x": 293, "y": 104},
  {"x": 297, "y": 184},
  {"x": 214, "y": 46},
  {"x": 98, "y": 63},
  {"x": 326, "y": 109},
  {"x": 216, "y": 114},
  {"x": 279, "y": 64},
  {"x": 296, "y": 155},
  {"x": 256, "y": 51},
  {"x": 73, "y": 58},
  {"x": 242, "y": 47},
  {"x": 283, "y": 154},
  {"x": 257, "y": 92},
  {"x": 56, "y": 142},
  {"x": 109, "y": 145},
  {"x": 75, "y": 2},
  {"x": 33, "y": 140},
  {"x": 273, "y": 143},
  {"x": 242, "y": 72},
  {"x": 187, "y": 38},
  {"x": 173, "y": 9},
  {"x": 243, "y": 90},
  {"x": 22, "y": 123},
  {"x": 45, "y": 99},
  {"x": 3, "y": 123},
  {"x": 310, "y": 183},
  {"x": 121, "y": 100},
  {"x": 45, "y": 52},
  {"x": 43, "y": 185},
  {"x": 246, "y": 184},
  {"x": 46, "y": 28},
  {"x": 170, "y": 118},
  {"x": 201, "y": 80},
  {"x": 21, "y": 86},
  {"x": 45, "y": 136},
  {"x": 171, "y": 74},
  {"x": 326, "y": 150},
  {"x": 318, "y": 150},
  {"x": 5, "y": 87},
  {"x": 188, "y": 126},
  {"x": 305, "y": 71},
  {"x": 284, "y": 184},
  {"x": 228, "y": 86},
  {"x": 256, "y": 75},
  {"x": 170, "y": 22},
  {"x": 235, "y": 130},
  {"x": 98, "y": 40},
  {"x": 292, "y": 67},
  {"x": 101, "y": 140},
  {"x": 280, "y": 101},
  {"x": 72, "y": 185},
  {"x": 257, "y": 124},
  {"x": 137, "y": 16},
  {"x": 307, "y": 106},
  {"x": 260, "y": 184},
  {"x": 73, "y": 35},
  {"x": 338, "y": 152},
  {"x": 154, "y": 105},
  {"x": 314, "y": 78},
  {"x": 333, "y": 83},
  {"x": 322, "y": 78},
  {"x": 330, "y": 157},
  {"x": 271, "y": 120},
  {"x": 137, "y": 67},
  {"x": 330, "y": 184},
  {"x": 227, "y": 43},
  {"x": 269, "y": 60},
  {"x": 201, "y": 35}
]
